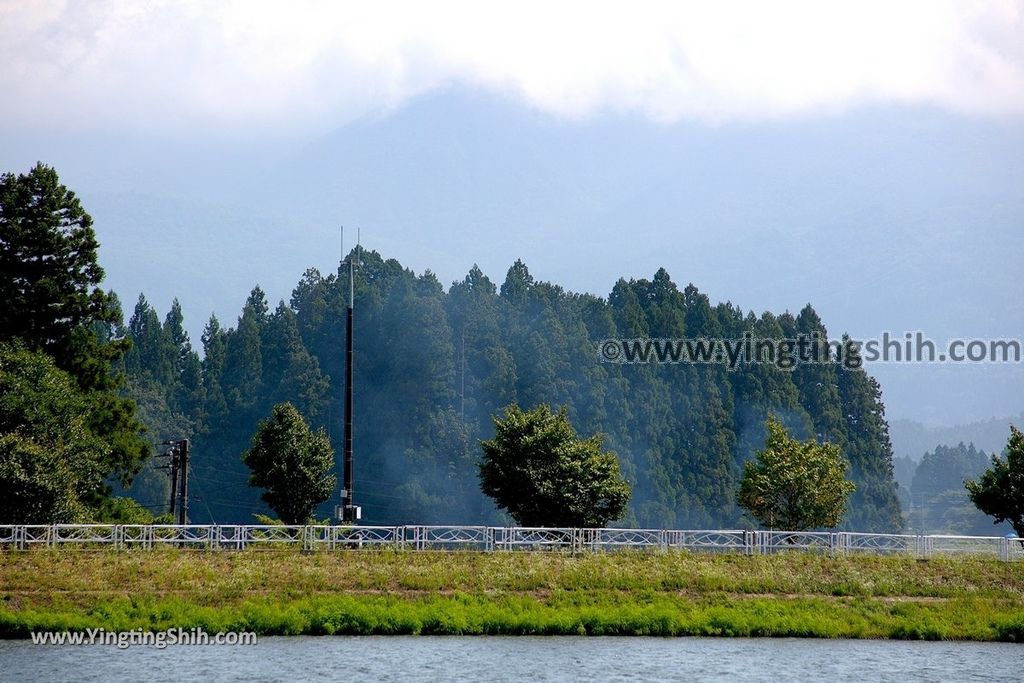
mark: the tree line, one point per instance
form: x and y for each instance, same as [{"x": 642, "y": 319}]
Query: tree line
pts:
[
  {"x": 85, "y": 397},
  {"x": 432, "y": 365}
]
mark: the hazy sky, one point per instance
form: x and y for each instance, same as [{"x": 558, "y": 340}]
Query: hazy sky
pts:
[
  {"x": 867, "y": 157},
  {"x": 244, "y": 66}
]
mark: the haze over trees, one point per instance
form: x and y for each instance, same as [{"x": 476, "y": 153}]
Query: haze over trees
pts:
[
  {"x": 935, "y": 500},
  {"x": 433, "y": 365},
  {"x": 543, "y": 474},
  {"x": 912, "y": 439}
]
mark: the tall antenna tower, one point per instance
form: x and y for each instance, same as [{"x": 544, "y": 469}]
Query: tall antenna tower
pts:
[{"x": 348, "y": 511}]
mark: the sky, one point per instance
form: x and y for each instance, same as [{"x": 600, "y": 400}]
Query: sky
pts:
[
  {"x": 865, "y": 157},
  {"x": 246, "y": 67}
]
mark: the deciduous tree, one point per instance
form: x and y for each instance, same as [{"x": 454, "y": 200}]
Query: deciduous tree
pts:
[
  {"x": 795, "y": 485},
  {"x": 543, "y": 474},
  {"x": 293, "y": 464},
  {"x": 999, "y": 491}
]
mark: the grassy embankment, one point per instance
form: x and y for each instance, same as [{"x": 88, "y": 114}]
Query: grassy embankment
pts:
[{"x": 388, "y": 592}]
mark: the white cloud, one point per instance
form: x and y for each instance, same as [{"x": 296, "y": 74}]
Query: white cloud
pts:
[{"x": 264, "y": 65}]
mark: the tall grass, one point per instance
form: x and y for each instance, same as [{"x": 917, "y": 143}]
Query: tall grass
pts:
[
  {"x": 385, "y": 592},
  {"x": 562, "y": 614}
]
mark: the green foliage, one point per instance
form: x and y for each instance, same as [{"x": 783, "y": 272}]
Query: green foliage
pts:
[
  {"x": 164, "y": 380},
  {"x": 50, "y": 302},
  {"x": 49, "y": 270},
  {"x": 267, "y": 520},
  {"x": 795, "y": 485},
  {"x": 52, "y": 462},
  {"x": 538, "y": 469},
  {"x": 528, "y": 615},
  {"x": 292, "y": 463},
  {"x": 36, "y": 484},
  {"x": 999, "y": 491},
  {"x": 122, "y": 510}
]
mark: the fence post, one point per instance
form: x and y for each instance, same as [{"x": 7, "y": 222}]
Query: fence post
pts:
[
  {"x": 924, "y": 552},
  {"x": 837, "y": 541}
]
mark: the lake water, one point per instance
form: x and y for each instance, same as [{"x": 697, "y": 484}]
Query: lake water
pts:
[{"x": 520, "y": 658}]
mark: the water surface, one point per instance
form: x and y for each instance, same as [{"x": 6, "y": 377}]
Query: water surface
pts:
[{"x": 483, "y": 658}]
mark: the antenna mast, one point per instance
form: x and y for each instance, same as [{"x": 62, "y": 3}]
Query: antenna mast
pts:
[{"x": 348, "y": 512}]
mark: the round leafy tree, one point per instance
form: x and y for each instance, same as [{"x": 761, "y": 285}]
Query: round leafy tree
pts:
[
  {"x": 999, "y": 491},
  {"x": 795, "y": 485},
  {"x": 543, "y": 474},
  {"x": 292, "y": 463}
]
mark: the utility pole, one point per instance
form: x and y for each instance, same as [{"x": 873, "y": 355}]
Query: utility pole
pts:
[
  {"x": 183, "y": 449},
  {"x": 178, "y": 469},
  {"x": 462, "y": 375},
  {"x": 174, "y": 478}
]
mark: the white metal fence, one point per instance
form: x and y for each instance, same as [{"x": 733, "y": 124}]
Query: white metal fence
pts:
[{"x": 484, "y": 538}]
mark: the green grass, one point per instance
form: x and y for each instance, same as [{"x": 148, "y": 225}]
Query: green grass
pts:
[{"x": 388, "y": 592}]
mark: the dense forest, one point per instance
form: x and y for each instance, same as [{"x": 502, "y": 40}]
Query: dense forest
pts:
[{"x": 433, "y": 365}]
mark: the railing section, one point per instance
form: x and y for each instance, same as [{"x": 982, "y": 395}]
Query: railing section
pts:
[{"x": 484, "y": 538}]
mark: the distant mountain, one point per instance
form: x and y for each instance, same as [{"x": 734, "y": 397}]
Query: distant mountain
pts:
[
  {"x": 912, "y": 439},
  {"x": 888, "y": 219}
]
